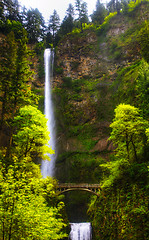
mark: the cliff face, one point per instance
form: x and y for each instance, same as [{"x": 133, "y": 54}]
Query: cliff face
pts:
[{"x": 85, "y": 83}]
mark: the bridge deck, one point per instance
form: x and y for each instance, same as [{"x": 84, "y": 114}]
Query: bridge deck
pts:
[
  {"x": 65, "y": 187},
  {"x": 78, "y": 185}
]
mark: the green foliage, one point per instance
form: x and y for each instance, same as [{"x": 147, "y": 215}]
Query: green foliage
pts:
[
  {"x": 81, "y": 8},
  {"x": 67, "y": 82},
  {"x": 58, "y": 70},
  {"x": 15, "y": 73},
  {"x": 96, "y": 27},
  {"x": 142, "y": 88},
  {"x": 133, "y": 4},
  {"x": 54, "y": 24},
  {"x": 31, "y": 134},
  {"x": 24, "y": 213},
  {"x": 115, "y": 50},
  {"x": 122, "y": 204},
  {"x": 76, "y": 31},
  {"x": 132, "y": 83},
  {"x": 99, "y": 14},
  {"x": 39, "y": 50},
  {"x": 128, "y": 132},
  {"x": 10, "y": 10},
  {"x": 105, "y": 25},
  {"x": 144, "y": 41},
  {"x": 67, "y": 25},
  {"x": 121, "y": 214},
  {"x": 77, "y": 167},
  {"x": 84, "y": 134},
  {"x": 34, "y": 25},
  {"x": 15, "y": 26},
  {"x": 147, "y": 134}
]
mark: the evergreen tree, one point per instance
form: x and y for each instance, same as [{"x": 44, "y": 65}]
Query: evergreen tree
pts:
[
  {"x": 8, "y": 70},
  {"x": 99, "y": 14},
  {"x": 23, "y": 16},
  {"x": 67, "y": 25},
  {"x": 15, "y": 73},
  {"x": 11, "y": 10},
  {"x": 81, "y": 8},
  {"x": 70, "y": 11},
  {"x": 35, "y": 25},
  {"x": 2, "y": 10},
  {"x": 54, "y": 24},
  {"x": 114, "y": 5},
  {"x": 84, "y": 13},
  {"x": 111, "y": 6},
  {"x": 68, "y": 22}
]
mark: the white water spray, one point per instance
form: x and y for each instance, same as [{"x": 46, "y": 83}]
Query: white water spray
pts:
[
  {"x": 80, "y": 231},
  {"x": 47, "y": 167}
]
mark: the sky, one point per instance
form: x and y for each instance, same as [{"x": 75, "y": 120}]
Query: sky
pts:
[{"x": 46, "y": 7}]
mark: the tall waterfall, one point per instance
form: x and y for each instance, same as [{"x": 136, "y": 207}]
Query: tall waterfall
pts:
[
  {"x": 80, "y": 231},
  {"x": 47, "y": 167}
]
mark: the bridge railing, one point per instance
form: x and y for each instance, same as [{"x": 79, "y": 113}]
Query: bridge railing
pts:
[
  {"x": 65, "y": 187},
  {"x": 78, "y": 185}
]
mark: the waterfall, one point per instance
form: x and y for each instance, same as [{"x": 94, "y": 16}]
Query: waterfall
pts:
[
  {"x": 47, "y": 167},
  {"x": 80, "y": 231}
]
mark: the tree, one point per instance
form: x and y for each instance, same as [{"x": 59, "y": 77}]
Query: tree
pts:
[
  {"x": 54, "y": 24},
  {"x": 68, "y": 22},
  {"x": 35, "y": 25},
  {"x": 31, "y": 137},
  {"x": 15, "y": 73},
  {"x": 128, "y": 132},
  {"x": 114, "y": 5},
  {"x": 99, "y": 14},
  {"x": 78, "y": 7},
  {"x": 11, "y": 10},
  {"x": 67, "y": 25},
  {"x": 81, "y": 8},
  {"x": 124, "y": 5},
  {"x": 84, "y": 13},
  {"x": 2, "y": 10},
  {"x": 70, "y": 11},
  {"x": 7, "y": 70}
]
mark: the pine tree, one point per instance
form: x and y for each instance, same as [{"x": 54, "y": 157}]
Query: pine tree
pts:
[
  {"x": 81, "y": 8},
  {"x": 99, "y": 14},
  {"x": 8, "y": 71},
  {"x": 35, "y": 25},
  {"x": 54, "y": 24}
]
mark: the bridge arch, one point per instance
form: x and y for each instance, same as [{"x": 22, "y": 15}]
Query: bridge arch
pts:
[{"x": 67, "y": 187}]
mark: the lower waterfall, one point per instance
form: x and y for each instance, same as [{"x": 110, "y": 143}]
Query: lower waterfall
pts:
[{"x": 80, "y": 231}]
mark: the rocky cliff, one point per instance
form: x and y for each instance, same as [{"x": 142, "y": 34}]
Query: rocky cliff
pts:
[{"x": 86, "y": 84}]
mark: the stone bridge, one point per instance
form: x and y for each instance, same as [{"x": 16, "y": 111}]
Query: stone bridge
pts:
[{"x": 66, "y": 187}]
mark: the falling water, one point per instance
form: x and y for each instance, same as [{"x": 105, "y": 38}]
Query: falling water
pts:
[
  {"x": 80, "y": 231},
  {"x": 47, "y": 167}
]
